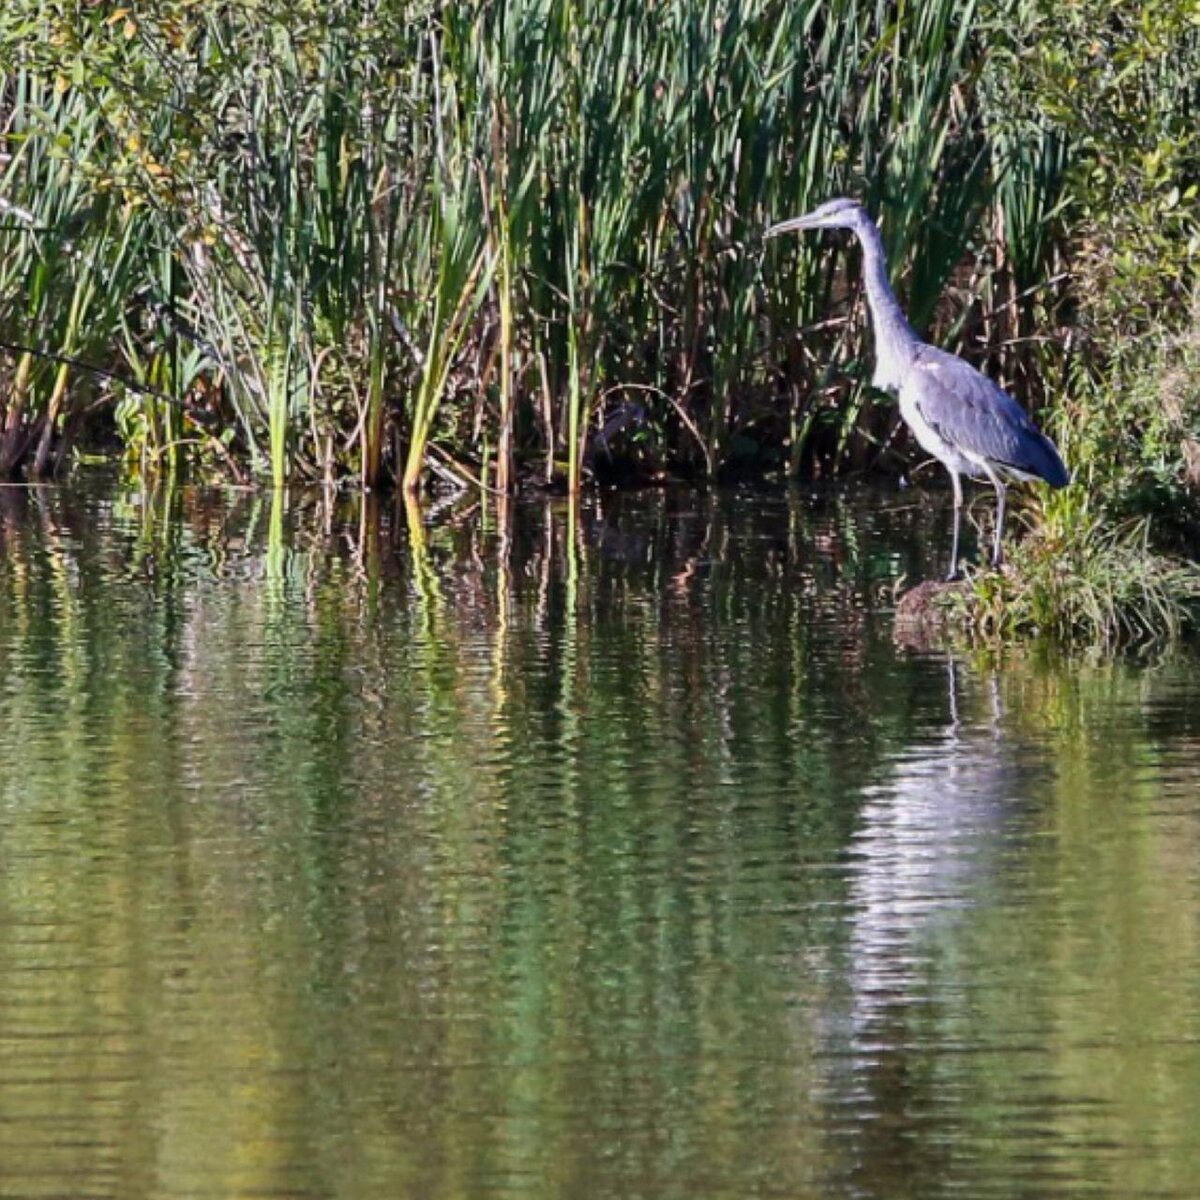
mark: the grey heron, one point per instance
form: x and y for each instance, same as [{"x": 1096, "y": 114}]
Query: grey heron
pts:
[{"x": 958, "y": 415}]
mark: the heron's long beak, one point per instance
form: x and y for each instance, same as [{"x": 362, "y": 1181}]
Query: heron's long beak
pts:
[{"x": 808, "y": 221}]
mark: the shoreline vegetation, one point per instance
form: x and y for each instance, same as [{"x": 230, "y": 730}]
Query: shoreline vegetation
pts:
[{"x": 396, "y": 244}]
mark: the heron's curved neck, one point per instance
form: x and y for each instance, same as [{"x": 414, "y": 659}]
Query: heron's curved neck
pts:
[{"x": 895, "y": 340}]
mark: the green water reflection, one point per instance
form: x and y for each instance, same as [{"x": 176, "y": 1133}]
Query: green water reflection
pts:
[{"x": 377, "y": 853}]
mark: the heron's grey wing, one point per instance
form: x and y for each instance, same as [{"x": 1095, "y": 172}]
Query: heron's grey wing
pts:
[{"x": 979, "y": 419}]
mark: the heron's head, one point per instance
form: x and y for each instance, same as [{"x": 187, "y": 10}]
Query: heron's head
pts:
[{"x": 833, "y": 214}]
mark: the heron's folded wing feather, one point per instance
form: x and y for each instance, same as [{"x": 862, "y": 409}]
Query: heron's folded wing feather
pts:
[{"x": 979, "y": 419}]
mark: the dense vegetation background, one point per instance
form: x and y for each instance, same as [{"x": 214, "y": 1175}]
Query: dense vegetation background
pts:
[{"x": 370, "y": 238}]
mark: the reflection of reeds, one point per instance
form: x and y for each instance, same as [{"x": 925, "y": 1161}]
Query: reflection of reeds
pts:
[
  {"x": 334, "y": 240},
  {"x": 426, "y": 585}
]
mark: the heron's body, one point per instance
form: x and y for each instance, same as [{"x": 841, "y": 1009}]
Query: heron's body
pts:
[{"x": 957, "y": 414}]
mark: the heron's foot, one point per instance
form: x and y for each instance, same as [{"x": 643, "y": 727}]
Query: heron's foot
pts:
[
  {"x": 997, "y": 560},
  {"x": 955, "y": 575}
]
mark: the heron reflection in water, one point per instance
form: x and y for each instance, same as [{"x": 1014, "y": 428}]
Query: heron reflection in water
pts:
[
  {"x": 924, "y": 874},
  {"x": 956, "y": 414},
  {"x": 931, "y": 836}
]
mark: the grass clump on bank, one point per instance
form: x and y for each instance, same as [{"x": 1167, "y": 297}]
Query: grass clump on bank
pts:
[{"x": 1080, "y": 577}]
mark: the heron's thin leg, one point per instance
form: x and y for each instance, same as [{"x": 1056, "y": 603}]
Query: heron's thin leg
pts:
[
  {"x": 956, "y": 483},
  {"x": 998, "y": 552},
  {"x": 1001, "y": 493}
]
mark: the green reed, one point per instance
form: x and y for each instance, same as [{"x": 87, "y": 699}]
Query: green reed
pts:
[
  {"x": 67, "y": 263},
  {"x": 494, "y": 228}
]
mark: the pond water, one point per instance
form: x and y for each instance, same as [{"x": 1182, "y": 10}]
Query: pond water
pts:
[{"x": 621, "y": 853}]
